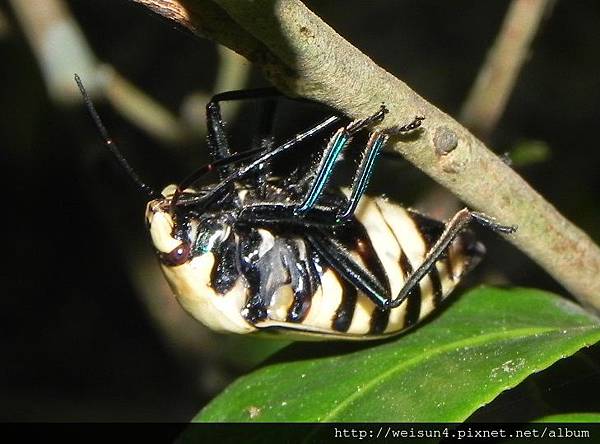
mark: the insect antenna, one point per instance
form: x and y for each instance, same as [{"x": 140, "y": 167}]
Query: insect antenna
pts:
[{"x": 111, "y": 145}]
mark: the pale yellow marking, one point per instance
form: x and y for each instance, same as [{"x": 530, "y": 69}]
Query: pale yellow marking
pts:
[
  {"x": 415, "y": 249},
  {"x": 388, "y": 251},
  {"x": 457, "y": 260},
  {"x": 161, "y": 226},
  {"x": 191, "y": 281},
  {"x": 280, "y": 303},
  {"x": 267, "y": 241},
  {"x": 396, "y": 319},
  {"x": 426, "y": 298},
  {"x": 447, "y": 283},
  {"x": 324, "y": 302},
  {"x": 191, "y": 284},
  {"x": 383, "y": 241},
  {"x": 169, "y": 190},
  {"x": 361, "y": 320}
]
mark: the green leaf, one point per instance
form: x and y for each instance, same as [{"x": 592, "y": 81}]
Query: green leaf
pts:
[
  {"x": 567, "y": 386},
  {"x": 486, "y": 342},
  {"x": 571, "y": 417},
  {"x": 529, "y": 152}
]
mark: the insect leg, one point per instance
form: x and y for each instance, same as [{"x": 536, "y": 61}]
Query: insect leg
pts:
[
  {"x": 262, "y": 154},
  {"x": 340, "y": 140},
  {"x": 363, "y": 174},
  {"x": 336, "y": 144},
  {"x": 458, "y": 222},
  {"x": 266, "y": 118},
  {"x": 250, "y": 168},
  {"x": 278, "y": 213},
  {"x": 217, "y": 139},
  {"x": 338, "y": 258}
]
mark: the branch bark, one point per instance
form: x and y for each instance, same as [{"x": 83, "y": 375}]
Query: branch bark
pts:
[{"x": 303, "y": 56}]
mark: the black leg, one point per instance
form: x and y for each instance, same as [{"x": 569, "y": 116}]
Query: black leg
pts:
[
  {"x": 217, "y": 138},
  {"x": 338, "y": 142},
  {"x": 453, "y": 228},
  {"x": 218, "y": 145},
  {"x": 363, "y": 174},
  {"x": 330, "y": 249},
  {"x": 250, "y": 168},
  {"x": 338, "y": 258},
  {"x": 284, "y": 214},
  {"x": 365, "y": 169},
  {"x": 266, "y": 118}
]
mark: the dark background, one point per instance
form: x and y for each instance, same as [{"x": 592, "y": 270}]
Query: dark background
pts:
[{"x": 80, "y": 343}]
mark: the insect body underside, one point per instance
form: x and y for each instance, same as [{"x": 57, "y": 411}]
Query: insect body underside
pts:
[
  {"x": 254, "y": 252},
  {"x": 289, "y": 288}
]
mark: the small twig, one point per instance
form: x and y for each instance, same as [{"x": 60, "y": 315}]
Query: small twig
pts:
[
  {"x": 140, "y": 109},
  {"x": 59, "y": 46},
  {"x": 496, "y": 79},
  {"x": 62, "y": 50},
  {"x": 303, "y": 56}
]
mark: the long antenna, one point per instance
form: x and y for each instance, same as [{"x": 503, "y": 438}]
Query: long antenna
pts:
[{"x": 111, "y": 145}]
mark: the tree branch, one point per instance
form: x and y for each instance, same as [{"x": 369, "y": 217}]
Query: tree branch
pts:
[
  {"x": 493, "y": 86},
  {"x": 303, "y": 56}
]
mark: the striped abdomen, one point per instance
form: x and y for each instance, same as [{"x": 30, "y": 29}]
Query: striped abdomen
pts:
[
  {"x": 279, "y": 283},
  {"x": 392, "y": 243}
]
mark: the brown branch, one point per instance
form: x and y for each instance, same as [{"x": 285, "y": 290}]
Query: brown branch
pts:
[
  {"x": 303, "y": 56},
  {"x": 497, "y": 77}
]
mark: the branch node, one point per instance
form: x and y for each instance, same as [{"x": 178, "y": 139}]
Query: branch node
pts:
[{"x": 445, "y": 140}]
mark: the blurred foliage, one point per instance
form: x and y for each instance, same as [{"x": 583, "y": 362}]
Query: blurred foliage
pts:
[
  {"x": 528, "y": 152},
  {"x": 81, "y": 340}
]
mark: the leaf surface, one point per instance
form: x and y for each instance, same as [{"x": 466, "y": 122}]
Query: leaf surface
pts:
[{"x": 486, "y": 342}]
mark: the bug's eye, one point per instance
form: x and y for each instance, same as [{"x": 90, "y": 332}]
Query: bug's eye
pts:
[{"x": 178, "y": 256}]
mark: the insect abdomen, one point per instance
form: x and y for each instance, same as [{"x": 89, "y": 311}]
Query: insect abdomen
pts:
[
  {"x": 282, "y": 284},
  {"x": 400, "y": 239}
]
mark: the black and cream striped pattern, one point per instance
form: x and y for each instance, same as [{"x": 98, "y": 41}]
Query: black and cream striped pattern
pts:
[{"x": 281, "y": 284}]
